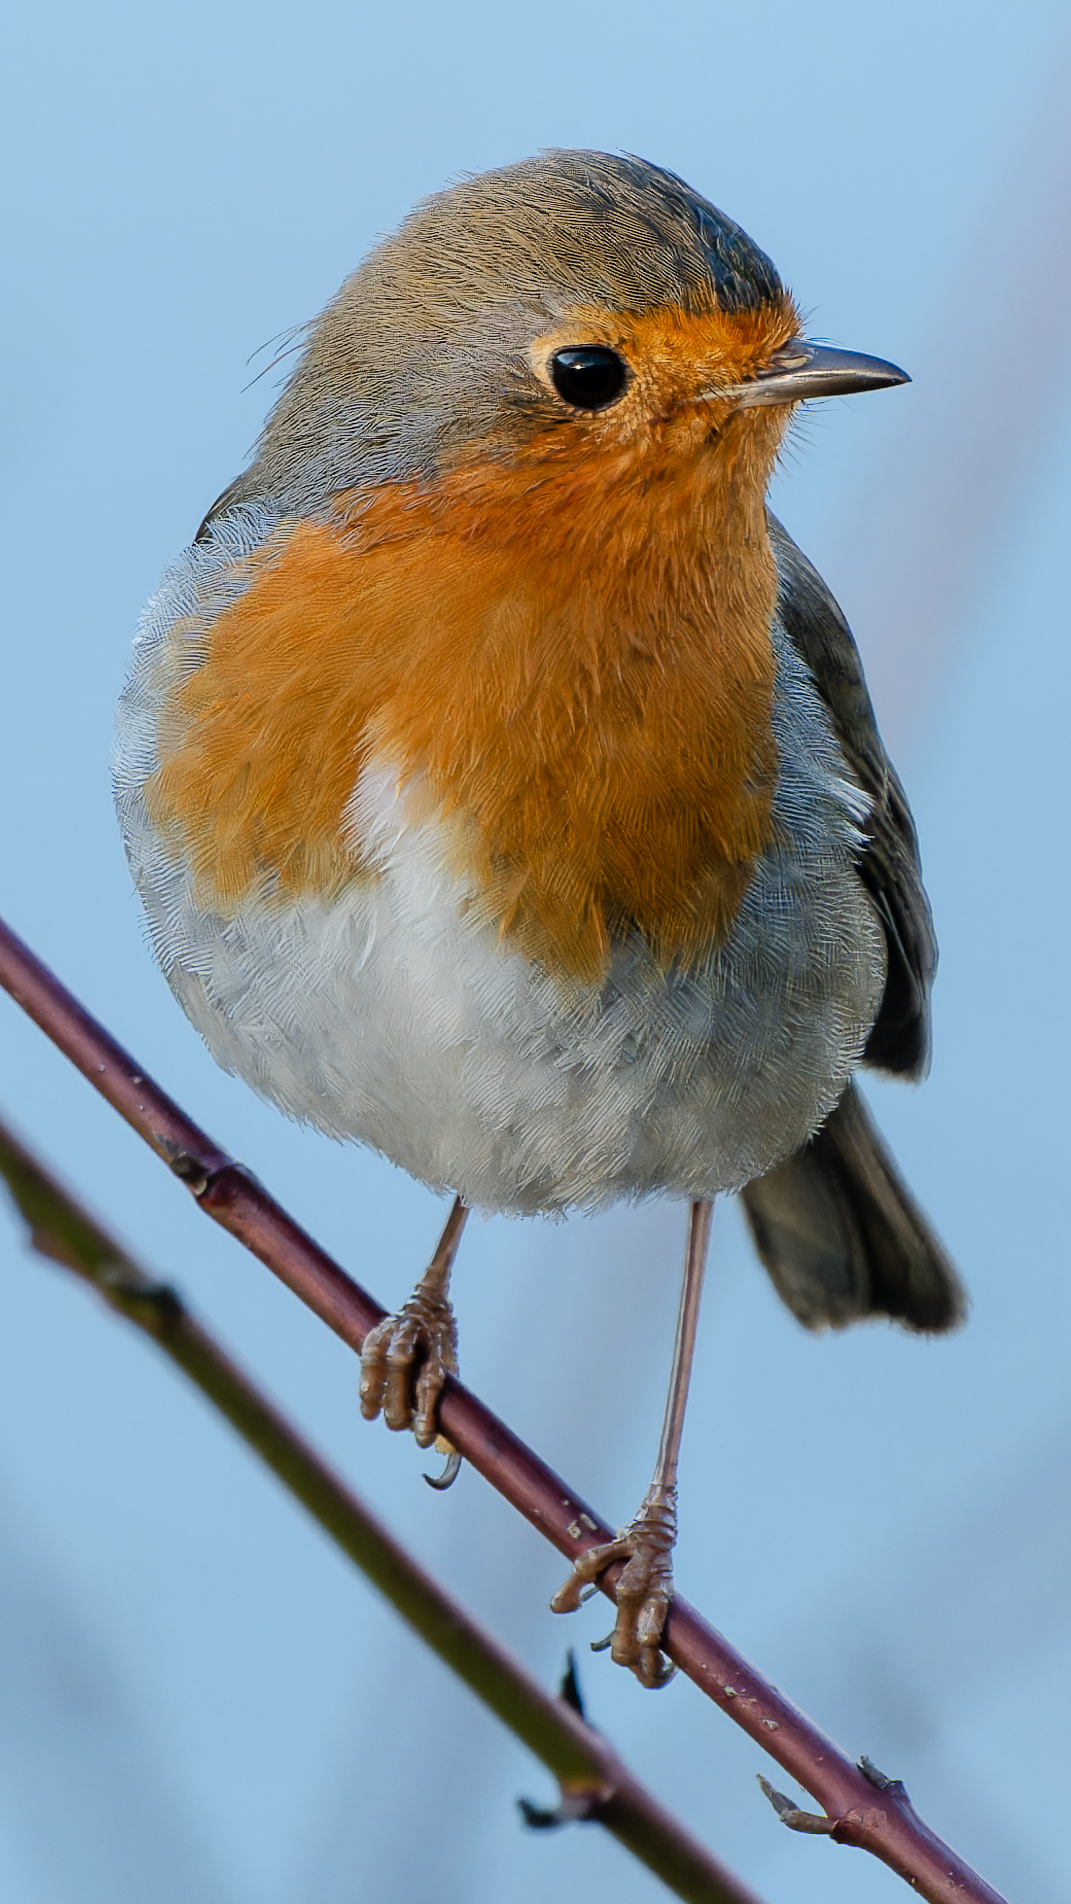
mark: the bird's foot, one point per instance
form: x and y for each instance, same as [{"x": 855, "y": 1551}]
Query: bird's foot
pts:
[
  {"x": 643, "y": 1591},
  {"x": 405, "y": 1361}
]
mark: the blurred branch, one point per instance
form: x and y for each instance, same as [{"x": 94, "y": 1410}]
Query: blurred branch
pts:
[
  {"x": 878, "y": 1817},
  {"x": 594, "y": 1783}
]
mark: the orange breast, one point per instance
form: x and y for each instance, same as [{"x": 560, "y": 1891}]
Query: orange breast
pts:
[{"x": 576, "y": 657}]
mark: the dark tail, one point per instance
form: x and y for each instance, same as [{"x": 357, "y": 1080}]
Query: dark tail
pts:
[{"x": 842, "y": 1237}]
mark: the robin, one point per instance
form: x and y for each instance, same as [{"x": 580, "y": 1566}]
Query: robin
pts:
[{"x": 502, "y": 785}]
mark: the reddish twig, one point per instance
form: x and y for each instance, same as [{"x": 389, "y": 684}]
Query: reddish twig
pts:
[
  {"x": 861, "y": 1807},
  {"x": 593, "y": 1782}
]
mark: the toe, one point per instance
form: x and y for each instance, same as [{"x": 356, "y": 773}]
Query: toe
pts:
[
  {"x": 652, "y": 1618},
  {"x": 586, "y": 1570},
  {"x": 398, "y": 1374},
  {"x": 374, "y": 1368},
  {"x": 429, "y": 1385}
]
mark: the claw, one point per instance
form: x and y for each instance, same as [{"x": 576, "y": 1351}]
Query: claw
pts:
[{"x": 449, "y": 1474}]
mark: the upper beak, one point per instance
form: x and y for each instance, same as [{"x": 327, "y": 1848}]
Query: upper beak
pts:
[{"x": 800, "y": 370}]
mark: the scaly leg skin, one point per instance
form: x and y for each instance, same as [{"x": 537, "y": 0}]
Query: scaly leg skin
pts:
[
  {"x": 645, "y": 1588},
  {"x": 422, "y": 1337}
]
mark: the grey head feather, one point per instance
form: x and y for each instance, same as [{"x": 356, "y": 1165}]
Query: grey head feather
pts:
[{"x": 425, "y": 346}]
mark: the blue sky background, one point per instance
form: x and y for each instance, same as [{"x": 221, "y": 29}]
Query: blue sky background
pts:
[{"x": 198, "y": 1698}]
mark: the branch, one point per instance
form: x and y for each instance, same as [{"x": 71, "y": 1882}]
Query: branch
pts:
[
  {"x": 594, "y": 1784},
  {"x": 863, "y": 1810}
]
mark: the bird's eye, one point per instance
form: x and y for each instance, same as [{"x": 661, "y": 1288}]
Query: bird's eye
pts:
[{"x": 588, "y": 377}]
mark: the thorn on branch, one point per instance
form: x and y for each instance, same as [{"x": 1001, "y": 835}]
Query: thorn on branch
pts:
[
  {"x": 815, "y": 1822},
  {"x": 569, "y": 1690},
  {"x": 157, "y": 1306},
  {"x": 577, "y": 1805},
  {"x": 894, "y": 1786}
]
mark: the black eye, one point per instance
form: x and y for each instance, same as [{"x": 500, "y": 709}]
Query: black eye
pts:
[{"x": 588, "y": 377}]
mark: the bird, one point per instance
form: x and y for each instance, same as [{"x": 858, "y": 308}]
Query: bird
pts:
[{"x": 501, "y": 783}]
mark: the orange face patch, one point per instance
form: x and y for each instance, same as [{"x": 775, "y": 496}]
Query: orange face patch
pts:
[
  {"x": 572, "y": 647},
  {"x": 673, "y": 354}
]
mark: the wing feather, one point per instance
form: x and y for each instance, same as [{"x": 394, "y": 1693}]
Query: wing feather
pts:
[{"x": 889, "y": 865}]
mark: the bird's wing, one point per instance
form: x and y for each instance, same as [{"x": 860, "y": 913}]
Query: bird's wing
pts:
[{"x": 889, "y": 862}]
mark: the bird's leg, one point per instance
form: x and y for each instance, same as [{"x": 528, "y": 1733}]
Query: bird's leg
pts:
[
  {"x": 419, "y": 1342},
  {"x": 645, "y": 1587}
]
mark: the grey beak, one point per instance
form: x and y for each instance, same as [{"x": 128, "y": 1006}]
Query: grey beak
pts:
[{"x": 799, "y": 371}]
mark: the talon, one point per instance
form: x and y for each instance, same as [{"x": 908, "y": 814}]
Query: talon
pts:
[
  {"x": 406, "y": 1358},
  {"x": 449, "y": 1474},
  {"x": 642, "y": 1593},
  {"x": 421, "y": 1342}
]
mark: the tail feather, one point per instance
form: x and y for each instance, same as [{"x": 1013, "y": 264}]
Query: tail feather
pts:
[{"x": 842, "y": 1236}]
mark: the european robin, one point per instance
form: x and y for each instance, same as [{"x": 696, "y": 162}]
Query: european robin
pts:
[{"x": 502, "y": 785}]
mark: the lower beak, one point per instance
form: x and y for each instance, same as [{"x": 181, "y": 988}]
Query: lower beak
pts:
[{"x": 799, "y": 371}]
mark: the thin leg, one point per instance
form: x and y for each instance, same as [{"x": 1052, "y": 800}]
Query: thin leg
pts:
[
  {"x": 419, "y": 1342},
  {"x": 680, "y": 1375},
  {"x": 645, "y": 1588}
]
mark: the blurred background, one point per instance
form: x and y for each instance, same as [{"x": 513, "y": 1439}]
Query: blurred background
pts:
[{"x": 199, "y": 1699}]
